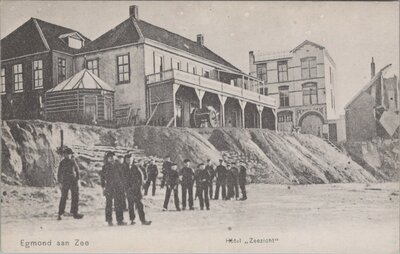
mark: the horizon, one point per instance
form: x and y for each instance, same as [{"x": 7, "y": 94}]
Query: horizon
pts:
[{"x": 237, "y": 24}]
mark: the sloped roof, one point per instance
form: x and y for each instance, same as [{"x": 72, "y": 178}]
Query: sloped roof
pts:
[
  {"x": 368, "y": 85},
  {"x": 305, "y": 43},
  {"x": 36, "y": 36},
  {"x": 175, "y": 40},
  {"x": 84, "y": 79},
  {"x": 131, "y": 30},
  {"x": 122, "y": 34}
]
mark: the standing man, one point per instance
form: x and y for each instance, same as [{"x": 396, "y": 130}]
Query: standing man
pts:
[
  {"x": 152, "y": 173},
  {"x": 68, "y": 177},
  {"x": 235, "y": 172},
  {"x": 230, "y": 182},
  {"x": 202, "y": 184},
  {"x": 211, "y": 172},
  {"x": 220, "y": 172},
  {"x": 133, "y": 187},
  {"x": 172, "y": 182},
  {"x": 113, "y": 189},
  {"x": 187, "y": 184},
  {"x": 165, "y": 168},
  {"x": 242, "y": 181},
  {"x": 119, "y": 165}
]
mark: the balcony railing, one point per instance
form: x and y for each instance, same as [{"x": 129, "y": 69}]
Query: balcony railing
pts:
[{"x": 251, "y": 93}]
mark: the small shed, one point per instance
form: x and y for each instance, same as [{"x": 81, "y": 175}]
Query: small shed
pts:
[{"x": 83, "y": 98}]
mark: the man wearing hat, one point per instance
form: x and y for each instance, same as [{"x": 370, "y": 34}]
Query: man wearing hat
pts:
[
  {"x": 211, "y": 172},
  {"x": 133, "y": 187},
  {"x": 220, "y": 172},
  {"x": 152, "y": 173},
  {"x": 165, "y": 168},
  {"x": 202, "y": 183},
  {"x": 187, "y": 184},
  {"x": 68, "y": 177},
  {"x": 242, "y": 181},
  {"x": 172, "y": 182},
  {"x": 113, "y": 189}
]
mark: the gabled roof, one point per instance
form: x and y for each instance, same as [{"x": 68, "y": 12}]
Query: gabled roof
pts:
[
  {"x": 122, "y": 34},
  {"x": 133, "y": 30},
  {"x": 36, "y": 36},
  {"x": 84, "y": 79},
  {"x": 368, "y": 85},
  {"x": 305, "y": 43}
]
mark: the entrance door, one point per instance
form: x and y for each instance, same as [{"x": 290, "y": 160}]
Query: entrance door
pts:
[
  {"x": 91, "y": 107},
  {"x": 107, "y": 108},
  {"x": 234, "y": 119},
  {"x": 312, "y": 124}
]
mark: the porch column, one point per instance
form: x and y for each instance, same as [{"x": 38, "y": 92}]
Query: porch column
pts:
[
  {"x": 242, "y": 104},
  {"x": 222, "y": 100},
  {"x": 274, "y": 110},
  {"x": 260, "y": 110},
  {"x": 200, "y": 95},
  {"x": 175, "y": 88}
]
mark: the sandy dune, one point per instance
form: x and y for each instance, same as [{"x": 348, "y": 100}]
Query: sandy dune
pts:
[{"x": 335, "y": 218}]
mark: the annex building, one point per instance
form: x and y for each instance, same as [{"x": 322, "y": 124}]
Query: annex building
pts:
[{"x": 302, "y": 81}]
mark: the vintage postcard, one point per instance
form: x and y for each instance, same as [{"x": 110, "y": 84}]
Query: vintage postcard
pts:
[{"x": 199, "y": 126}]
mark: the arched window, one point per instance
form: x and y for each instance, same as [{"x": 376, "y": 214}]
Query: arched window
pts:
[{"x": 310, "y": 94}]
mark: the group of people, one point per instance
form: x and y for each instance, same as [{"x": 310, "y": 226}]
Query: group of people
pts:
[
  {"x": 229, "y": 179},
  {"x": 123, "y": 179}
]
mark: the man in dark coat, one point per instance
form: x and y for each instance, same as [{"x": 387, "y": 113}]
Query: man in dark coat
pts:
[
  {"x": 211, "y": 172},
  {"x": 152, "y": 173},
  {"x": 68, "y": 177},
  {"x": 220, "y": 173},
  {"x": 230, "y": 182},
  {"x": 165, "y": 168},
  {"x": 187, "y": 175},
  {"x": 172, "y": 183},
  {"x": 235, "y": 172},
  {"x": 133, "y": 188},
  {"x": 202, "y": 184},
  {"x": 113, "y": 189},
  {"x": 242, "y": 181}
]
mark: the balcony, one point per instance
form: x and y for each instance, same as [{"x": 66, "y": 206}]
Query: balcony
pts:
[{"x": 242, "y": 86}]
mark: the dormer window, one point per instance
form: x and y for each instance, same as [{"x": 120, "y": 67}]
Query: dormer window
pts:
[{"x": 73, "y": 40}]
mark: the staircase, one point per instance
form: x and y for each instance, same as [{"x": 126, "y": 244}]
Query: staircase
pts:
[
  {"x": 91, "y": 159},
  {"x": 333, "y": 145}
]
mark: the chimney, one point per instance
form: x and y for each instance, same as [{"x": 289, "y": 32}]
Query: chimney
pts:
[
  {"x": 372, "y": 68},
  {"x": 200, "y": 39},
  {"x": 252, "y": 66},
  {"x": 134, "y": 11}
]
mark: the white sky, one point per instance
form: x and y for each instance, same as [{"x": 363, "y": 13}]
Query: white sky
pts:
[{"x": 352, "y": 32}]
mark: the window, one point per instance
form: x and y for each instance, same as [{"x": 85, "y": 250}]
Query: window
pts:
[
  {"x": 264, "y": 90},
  {"x": 107, "y": 108},
  {"x": 282, "y": 71},
  {"x": 194, "y": 70},
  {"x": 18, "y": 78},
  {"x": 62, "y": 69},
  {"x": 3, "y": 80},
  {"x": 123, "y": 69},
  {"x": 206, "y": 74},
  {"x": 38, "y": 73},
  {"x": 285, "y": 116},
  {"x": 284, "y": 96},
  {"x": 91, "y": 106},
  {"x": 93, "y": 66},
  {"x": 310, "y": 94},
  {"x": 262, "y": 72},
  {"x": 308, "y": 67}
]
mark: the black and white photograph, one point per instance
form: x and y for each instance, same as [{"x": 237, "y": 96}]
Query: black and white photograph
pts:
[{"x": 200, "y": 127}]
